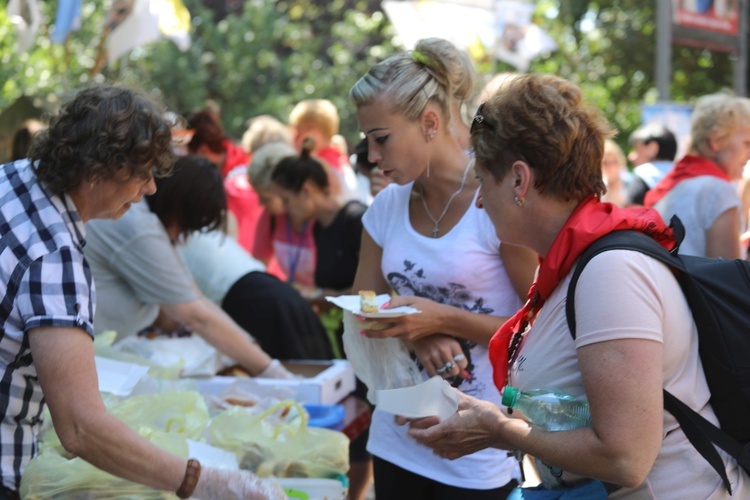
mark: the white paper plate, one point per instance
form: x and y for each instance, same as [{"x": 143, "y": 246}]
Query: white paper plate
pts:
[
  {"x": 351, "y": 303},
  {"x": 434, "y": 397}
]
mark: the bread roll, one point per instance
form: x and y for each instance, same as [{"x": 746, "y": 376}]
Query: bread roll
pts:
[{"x": 368, "y": 302}]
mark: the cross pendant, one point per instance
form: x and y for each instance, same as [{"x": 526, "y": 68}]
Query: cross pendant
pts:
[{"x": 435, "y": 231}]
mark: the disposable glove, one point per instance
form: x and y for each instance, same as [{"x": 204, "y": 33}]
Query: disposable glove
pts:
[
  {"x": 236, "y": 484},
  {"x": 276, "y": 370}
]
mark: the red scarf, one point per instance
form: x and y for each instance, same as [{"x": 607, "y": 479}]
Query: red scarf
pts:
[
  {"x": 590, "y": 221},
  {"x": 687, "y": 168}
]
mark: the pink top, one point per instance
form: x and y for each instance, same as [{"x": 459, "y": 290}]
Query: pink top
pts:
[{"x": 294, "y": 252}]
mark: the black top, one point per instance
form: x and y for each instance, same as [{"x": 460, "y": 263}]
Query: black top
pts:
[
  {"x": 637, "y": 191},
  {"x": 338, "y": 247}
]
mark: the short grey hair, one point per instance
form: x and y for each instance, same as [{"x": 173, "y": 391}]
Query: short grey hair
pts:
[
  {"x": 717, "y": 116},
  {"x": 264, "y": 162}
]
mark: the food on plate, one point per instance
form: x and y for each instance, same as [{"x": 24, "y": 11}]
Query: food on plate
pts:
[
  {"x": 368, "y": 302},
  {"x": 372, "y": 324},
  {"x": 247, "y": 403},
  {"x": 234, "y": 371}
]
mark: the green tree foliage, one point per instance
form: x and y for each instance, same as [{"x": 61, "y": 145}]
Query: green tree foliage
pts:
[
  {"x": 47, "y": 68},
  {"x": 265, "y": 59},
  {"x": 609, "y": 49},
  {"x": 262, "y": 60}
]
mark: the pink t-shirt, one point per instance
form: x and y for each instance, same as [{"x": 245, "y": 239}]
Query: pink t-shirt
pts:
[
  {"x": 294, "y": 253},
  {"x": 626, "y": 295}
]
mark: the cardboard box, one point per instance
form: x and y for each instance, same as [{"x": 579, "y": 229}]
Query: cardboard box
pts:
[{"x": 323, "y": 382}]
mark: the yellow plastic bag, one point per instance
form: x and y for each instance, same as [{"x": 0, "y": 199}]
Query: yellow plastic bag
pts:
[
  {"x": 177, "y": 412},
  {"x": 51, "y": 475},
  {"x": 267, "y": 444},
  {"x": 182, "y": 412}
]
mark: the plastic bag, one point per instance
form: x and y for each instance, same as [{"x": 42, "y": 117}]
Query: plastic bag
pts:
[
  {"x": 279, "y": 442},
  {"x": 379, "y": 363},
  {"x": 248, "y": 393},
  {"x": 51, "y": 475},
  {"x": 177, "y": 412},
  {"x": 103, "y": 347},
  {"x": 196, "y": 356},
  {"x": 182, "y": 412}
]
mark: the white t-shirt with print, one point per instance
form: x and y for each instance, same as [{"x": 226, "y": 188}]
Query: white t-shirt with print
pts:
[{"x": 462, "y": 268}]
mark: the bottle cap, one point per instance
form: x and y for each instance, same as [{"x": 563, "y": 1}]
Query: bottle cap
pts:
[{"x": 510, "y": 396}]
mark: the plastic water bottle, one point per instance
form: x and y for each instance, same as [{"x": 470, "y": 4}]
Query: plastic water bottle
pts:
[{"x": 550, "y": 409}]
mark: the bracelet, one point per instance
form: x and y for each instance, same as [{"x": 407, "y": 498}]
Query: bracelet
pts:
[{"x": 190, "y": 481}]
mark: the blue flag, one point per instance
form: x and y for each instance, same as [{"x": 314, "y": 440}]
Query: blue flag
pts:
[{"x": 68, "y": 19}]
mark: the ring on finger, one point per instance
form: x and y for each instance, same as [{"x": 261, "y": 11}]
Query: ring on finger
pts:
[
  {"x": 446, "y": 367},
  {"x": 458, "y": 358}
]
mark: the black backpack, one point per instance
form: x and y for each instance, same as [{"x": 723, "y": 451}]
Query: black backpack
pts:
[{"x": 718, "y": 293}]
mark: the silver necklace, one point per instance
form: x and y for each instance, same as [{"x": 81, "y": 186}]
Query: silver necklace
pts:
[{"x": 436, "y": 222}]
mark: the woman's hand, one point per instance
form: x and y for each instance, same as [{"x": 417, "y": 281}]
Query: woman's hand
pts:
[
  {"x": 441, "y": 355},
  {"x": 475, "y": 426},
  {"x": 411, "y": 327}
]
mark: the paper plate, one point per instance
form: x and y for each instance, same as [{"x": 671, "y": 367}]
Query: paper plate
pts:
[
  {"x": 432, "y": 397},
  {"x": 351, "y": 303}
]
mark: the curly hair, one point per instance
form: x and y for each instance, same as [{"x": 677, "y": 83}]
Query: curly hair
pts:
[
  {"x": 105, "y": 132},
  {"x": 544, "y": 121},
  {"x": 192, "y": 198}
]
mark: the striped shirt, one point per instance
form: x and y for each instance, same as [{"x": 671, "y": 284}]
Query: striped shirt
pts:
[{"x": 44, "y": 281}]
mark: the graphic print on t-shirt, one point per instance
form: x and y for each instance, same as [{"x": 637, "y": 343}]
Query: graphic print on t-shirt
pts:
[{"x": 414, "y": 281}]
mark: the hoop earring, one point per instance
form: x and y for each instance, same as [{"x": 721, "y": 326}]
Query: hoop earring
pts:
[{"x": 519, "y": 201}]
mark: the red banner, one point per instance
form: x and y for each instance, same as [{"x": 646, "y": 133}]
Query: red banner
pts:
[{"x": 718, "y": 16}]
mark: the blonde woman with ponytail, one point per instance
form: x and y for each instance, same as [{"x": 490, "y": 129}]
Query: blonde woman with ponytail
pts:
[{"x": 426, "y": 240}]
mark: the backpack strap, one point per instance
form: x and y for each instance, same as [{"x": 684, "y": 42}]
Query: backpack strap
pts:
[
  {"x": 618, "y": 240},
  {"x": 699, "y": 431}
]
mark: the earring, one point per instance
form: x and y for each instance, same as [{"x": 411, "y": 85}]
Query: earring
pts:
[
  {"x": 430, "y": 136},
  {"x": 519, "y": 201}
]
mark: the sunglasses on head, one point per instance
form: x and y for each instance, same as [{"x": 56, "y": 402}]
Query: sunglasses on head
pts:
[{"x": 479, "y": 119}]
